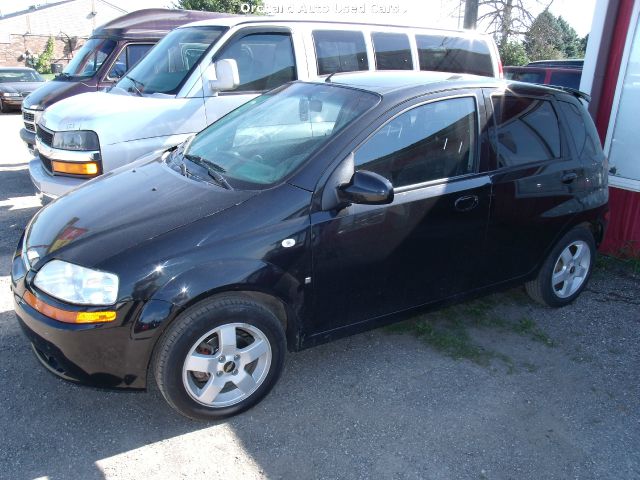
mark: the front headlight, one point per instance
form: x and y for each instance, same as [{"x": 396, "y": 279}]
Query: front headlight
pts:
[
  {"x": 74, "y": 284},
  {"x": 76, "y": 140}
]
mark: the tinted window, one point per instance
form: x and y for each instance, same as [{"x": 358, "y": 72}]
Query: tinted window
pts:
[
  {"x": 524, "y": 76},
  {"x": 527, "y": 130},
  {"x": 454, "y": 54},
  {"x": 566, "y": 79},
  {"x": 269, "y": 137},
  {"x": 339, "y": 51},
  {"x": 127, "y": 59},
  {"x": 582, "y": 129},
  {"x": 87, "y": 60},
  {"x": 265, "y": 61},
  {"x": 392, "y": 51},
  {"x": 429, "y": 142}
]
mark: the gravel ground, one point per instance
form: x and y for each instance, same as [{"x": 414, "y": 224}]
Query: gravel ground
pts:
[{"x": 552, "y": 394}]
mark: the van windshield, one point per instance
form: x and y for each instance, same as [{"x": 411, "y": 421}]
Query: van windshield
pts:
[
  {"x": 266, "y": 139},
  {"x": 167, "y": 65},
  {"x": 88, "y": 60}
]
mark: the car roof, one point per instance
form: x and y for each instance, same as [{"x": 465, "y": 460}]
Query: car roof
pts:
[{"x": 413, "y": 83}]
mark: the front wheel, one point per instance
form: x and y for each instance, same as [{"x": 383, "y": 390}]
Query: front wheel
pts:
[
  {"x": 566, "y": 271},
  {"x": 220, "y": 357}
]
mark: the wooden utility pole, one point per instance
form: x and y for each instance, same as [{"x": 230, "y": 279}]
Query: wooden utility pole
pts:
[{"x": 470, "y": 13}]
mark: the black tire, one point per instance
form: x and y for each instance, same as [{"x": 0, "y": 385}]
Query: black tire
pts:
[
  {"x": 3, "y": 107},
  {"x": 542, "y": 290},
  {"x": 181, "y": 337}
]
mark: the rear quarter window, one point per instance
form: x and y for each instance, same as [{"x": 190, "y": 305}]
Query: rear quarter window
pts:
[
  {"x": 340, "y": 51},
  {"x": 454, "y": 54},
  {"x": 566, "y": 79},
  {"x": 526, "y": 130},
  {"x": 582, "y": 130}
]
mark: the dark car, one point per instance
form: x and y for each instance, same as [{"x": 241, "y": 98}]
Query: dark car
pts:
[
  {"x": 312, "y": 212},
  {"x": 105, "y": 57},
  {"x": 15, "y": 84},
  {"x": 554, "y": 76}
]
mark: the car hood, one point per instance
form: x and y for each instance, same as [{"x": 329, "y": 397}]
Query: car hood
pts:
[
  {"x": 46, "y": 94},
  {"x": 19, "y": 87},
  {"x": 121, "y": 210},
  {"x": 135, "y": 117}
]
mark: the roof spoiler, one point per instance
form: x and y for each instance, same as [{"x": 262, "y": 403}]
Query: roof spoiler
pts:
[{"x": 576, "y": 93}]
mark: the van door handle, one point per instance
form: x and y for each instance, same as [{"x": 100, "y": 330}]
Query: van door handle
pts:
[
  {"x": 466, "y": 203},
  {"x": 569, "y": 177}
]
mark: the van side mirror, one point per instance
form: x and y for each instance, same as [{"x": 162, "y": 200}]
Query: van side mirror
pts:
[
  {"x": 223, "y": 75},
  {"x": 366, "y": 188}
]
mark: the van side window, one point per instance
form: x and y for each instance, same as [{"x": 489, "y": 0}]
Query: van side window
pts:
[
  {"x": 582, "y": 130},
  {"x": 392, "y": 51},
  {"x": 127, "y": 59},
  {"x": 340, "y": 51},
  {"x": 265, "y": 60},
  {"x": 429, "y": 142},
  {"x": 526, "y": 130},
  {"x": 454, "y": 54}
]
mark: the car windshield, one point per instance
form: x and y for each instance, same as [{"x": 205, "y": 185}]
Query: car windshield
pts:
[
  {"x": 167, "y": 65},
  {"x": 262, "y": 142},
  {"x": 8, "y": 76},
  {"x": 88, "y": 60}
]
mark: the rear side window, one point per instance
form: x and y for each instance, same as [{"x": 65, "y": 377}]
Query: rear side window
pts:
[
  {"x": 582, "y": 130},
  {"x": 526, "y": 130},
  {"x": 566, "y": 79},
  {"x": 525, "y": 76},
  {"x": 454, "y": 54},
  {"x": 393, "y": 51},
  {"x": 340, "y": 51},
  {"x": 265, "y": 60}
]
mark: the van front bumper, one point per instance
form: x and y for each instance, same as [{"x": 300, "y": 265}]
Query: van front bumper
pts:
[{"x": 51, "y": 186}]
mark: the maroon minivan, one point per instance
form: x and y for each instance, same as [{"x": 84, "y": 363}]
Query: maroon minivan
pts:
[{"x": 105, "y": 57}]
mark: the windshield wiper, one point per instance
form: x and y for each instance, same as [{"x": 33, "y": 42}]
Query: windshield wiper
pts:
[
  {"x": 135, "y": 84},
  {"x": 214, "y": 171},
  {"x": 63, "y": 75}
]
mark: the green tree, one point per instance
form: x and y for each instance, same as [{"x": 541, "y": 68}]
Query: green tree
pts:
[
  {"x": 513, "y": 53},
  {"x": 223, "y": 6},
  {"x": 571, "y": 43},
  {"x": 544, "y": 40},
  {"x": 43, "y": 62},
  {"x": 583, "y": 46}
]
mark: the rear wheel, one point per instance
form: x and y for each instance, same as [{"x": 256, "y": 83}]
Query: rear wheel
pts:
[
  {"x": 566, "y": 270},
  {"x": 220, "y": 357}
]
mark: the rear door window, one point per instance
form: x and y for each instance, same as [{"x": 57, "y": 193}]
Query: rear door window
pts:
[
  {"x": 454, "y": 54},
  {"x": 526, "y": 130},
  {"x": 265, "y": 60},
  {"x": 392, "y": 51},
  {"x": 340, "y": 51}
]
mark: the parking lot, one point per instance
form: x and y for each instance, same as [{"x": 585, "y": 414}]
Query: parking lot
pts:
[{"x": 494, "y": 388}]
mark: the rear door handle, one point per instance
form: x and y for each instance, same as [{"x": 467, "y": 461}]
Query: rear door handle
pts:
[
  {"x": 466, "y": 203},
  {"x": 569, "y": 177}
]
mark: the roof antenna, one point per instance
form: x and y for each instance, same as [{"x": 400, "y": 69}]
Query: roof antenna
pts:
[{"x": 328, "y": 79}]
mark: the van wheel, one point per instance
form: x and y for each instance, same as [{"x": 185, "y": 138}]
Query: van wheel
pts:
[
  {"x": 566, "y": 271},
  {"x": 220, "y": 357}
]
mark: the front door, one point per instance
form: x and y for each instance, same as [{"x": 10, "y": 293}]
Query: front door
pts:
[{"x": 370, "y": 261}]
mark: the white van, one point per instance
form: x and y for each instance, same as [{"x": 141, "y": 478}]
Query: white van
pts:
[{"x": 201, "y": 71}]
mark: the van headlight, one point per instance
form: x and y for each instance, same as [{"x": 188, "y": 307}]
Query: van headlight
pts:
[
  {"x": 84, "y": 140},
  {"x": 75, "y": 284}
]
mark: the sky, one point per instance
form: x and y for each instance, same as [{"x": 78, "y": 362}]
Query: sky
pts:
[{"x": 431, "y": 13}]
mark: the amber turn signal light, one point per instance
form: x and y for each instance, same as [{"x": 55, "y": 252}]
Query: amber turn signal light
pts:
[
  {"x": 75, "y": 168},
  {"x": 65, "y": 315}
]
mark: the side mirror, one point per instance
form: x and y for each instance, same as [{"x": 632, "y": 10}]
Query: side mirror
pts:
[
  {"x": 223, "y": 75},
  {"x": 366, "y": 188}
]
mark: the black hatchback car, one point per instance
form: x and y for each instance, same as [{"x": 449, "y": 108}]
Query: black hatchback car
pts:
[{"x": 313, "y": 212}]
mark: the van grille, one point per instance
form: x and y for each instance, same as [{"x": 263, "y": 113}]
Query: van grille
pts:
[
  {"x": 44, "y": 135},
  {"x": 46, "y": 163},
  {"x": 28, "y": 117}
]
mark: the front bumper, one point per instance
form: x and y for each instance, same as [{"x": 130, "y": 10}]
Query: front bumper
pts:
[
  {"x": 101, "y": 355},
  {"x": 12, "y": 101},
  {"x": 51, "y": 186},
  {"x": 29, "y": 138}
]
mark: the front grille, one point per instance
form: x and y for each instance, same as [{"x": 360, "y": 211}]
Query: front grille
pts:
[
  {"x": 28, "y": 117},
  {"x": 44, "y": 135},
  {"x": 46, "y": 163},
  {"x": 30, "y": 126}
]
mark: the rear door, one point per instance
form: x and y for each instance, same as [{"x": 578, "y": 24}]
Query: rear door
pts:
[
  {"x": 374, "y": 260},
  {"x": 535, "y": 183}
]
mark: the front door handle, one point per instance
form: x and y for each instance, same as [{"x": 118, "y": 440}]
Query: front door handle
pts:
[
  {"x": 569, "y": 177},
  {"x": 466, "y": 203}
]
